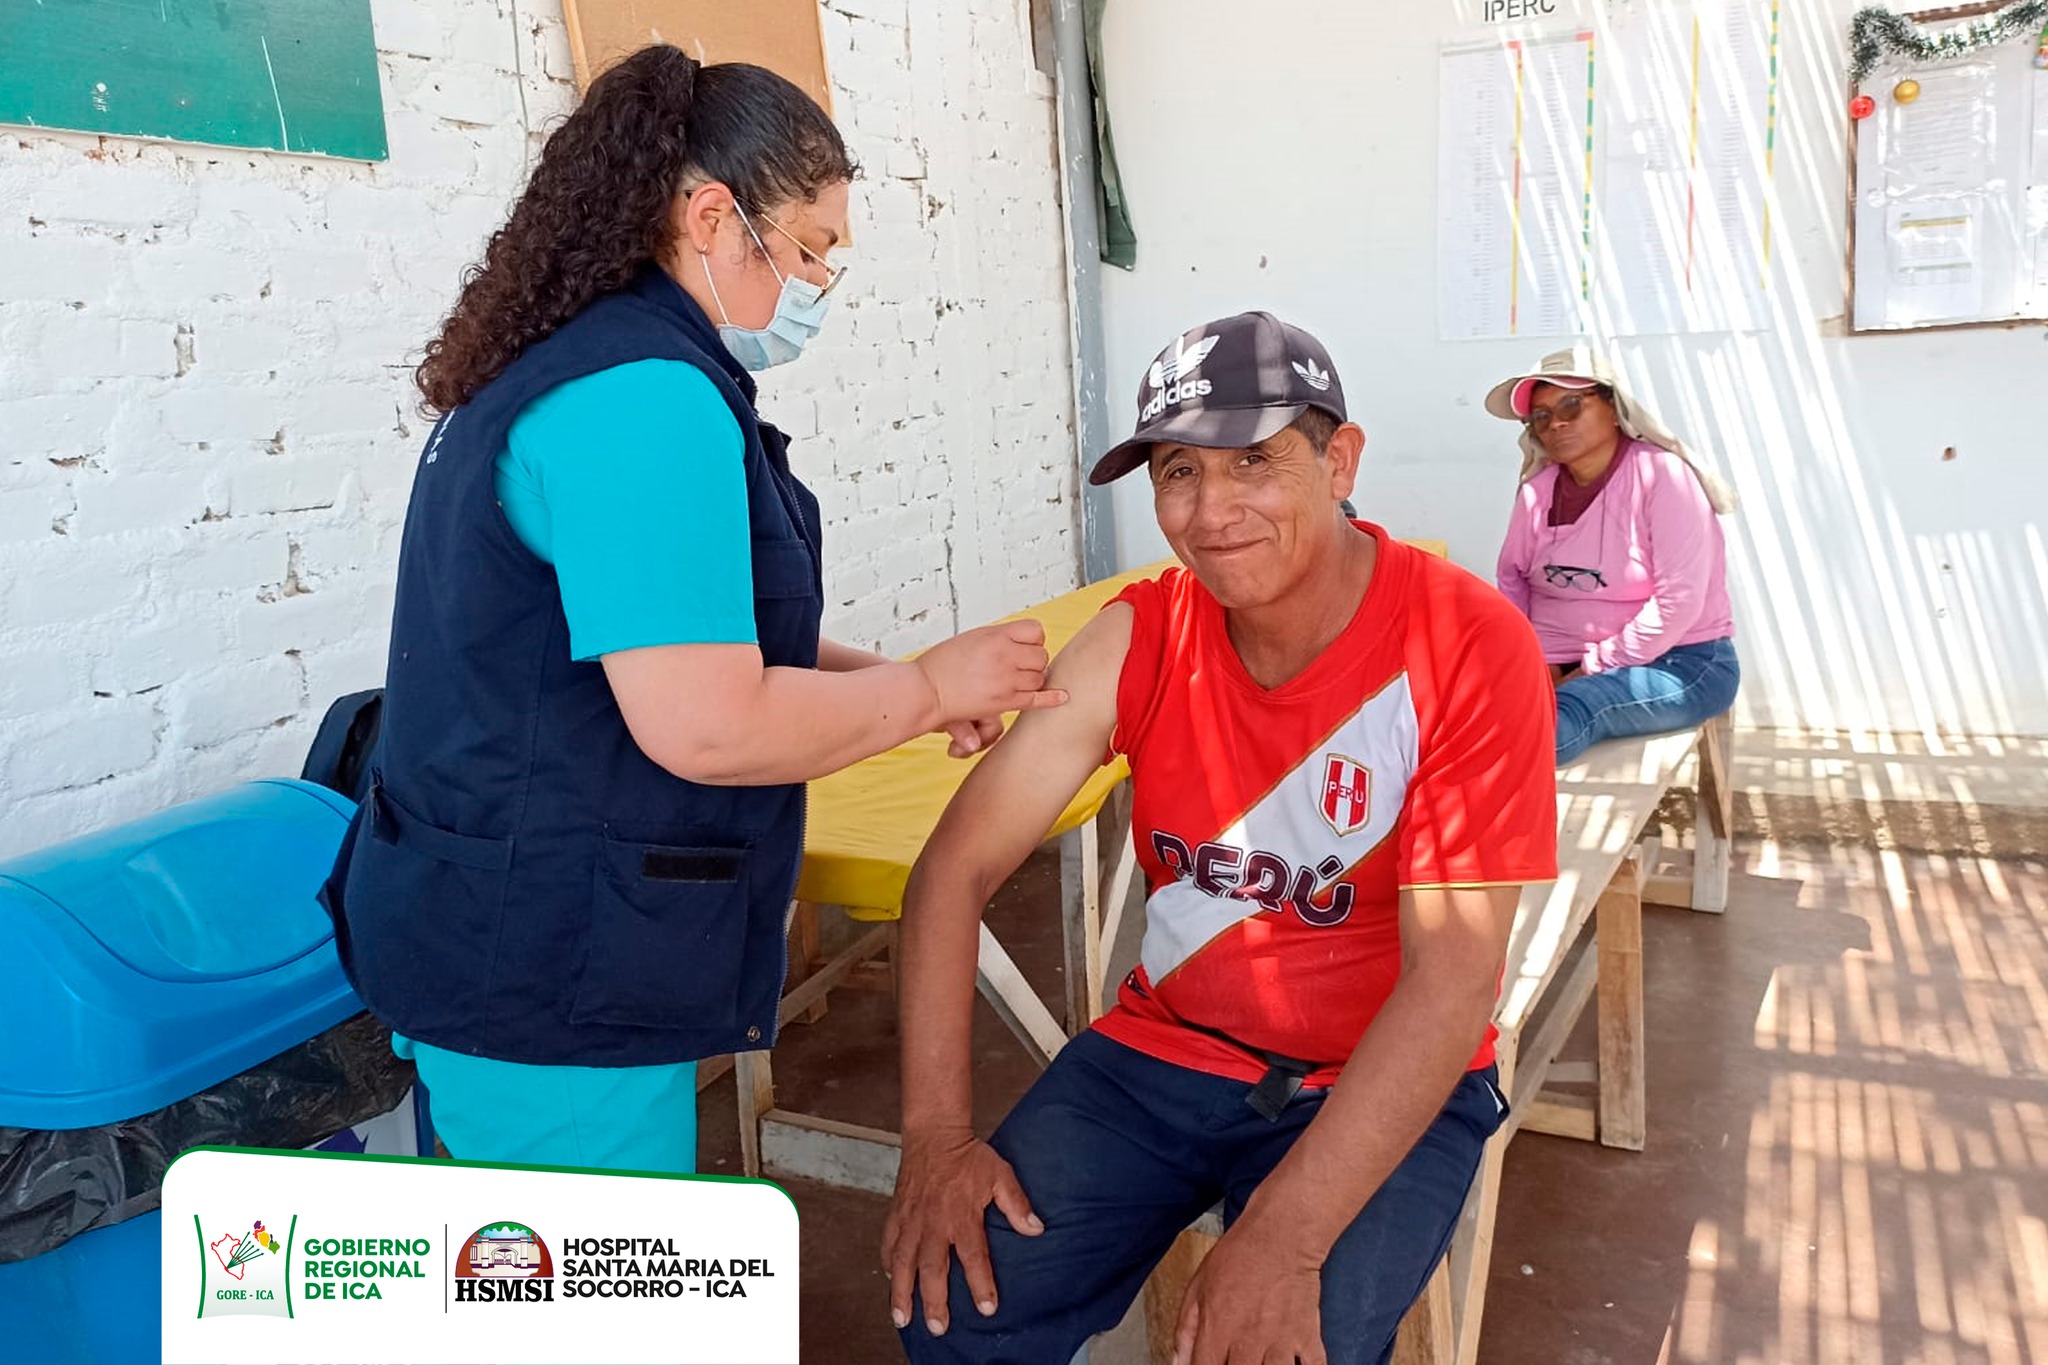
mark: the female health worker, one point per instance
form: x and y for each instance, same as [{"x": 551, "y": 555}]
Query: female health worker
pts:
[{"x": 606, "y": 685}]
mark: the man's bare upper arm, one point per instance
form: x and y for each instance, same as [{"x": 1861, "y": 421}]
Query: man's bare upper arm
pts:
[
  {"x": 1459, "y": 930},
  {"x": 1015, "y": 794}
]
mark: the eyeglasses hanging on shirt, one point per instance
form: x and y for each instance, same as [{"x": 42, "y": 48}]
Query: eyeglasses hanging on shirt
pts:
[
  {"x": 1573, "y": 576},
  {"x": 1582, "y": 577}
]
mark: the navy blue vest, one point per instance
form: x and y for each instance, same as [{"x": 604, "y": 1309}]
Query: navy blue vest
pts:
[{"x": 522, "y": 882}]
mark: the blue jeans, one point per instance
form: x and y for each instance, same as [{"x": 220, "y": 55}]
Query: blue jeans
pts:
[
  {"x": 1681, "y": 688},
  {"x": 1118, "y": 1152}
]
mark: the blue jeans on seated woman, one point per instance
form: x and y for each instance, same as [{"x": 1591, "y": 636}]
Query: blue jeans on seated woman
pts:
[{"x": 1677, "y": 690}]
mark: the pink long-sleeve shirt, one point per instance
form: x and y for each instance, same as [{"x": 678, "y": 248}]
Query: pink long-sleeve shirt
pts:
[{"x": 1654, "y": 539}]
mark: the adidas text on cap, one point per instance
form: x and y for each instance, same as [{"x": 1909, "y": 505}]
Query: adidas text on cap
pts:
[{"x": 1227, "y": 384}]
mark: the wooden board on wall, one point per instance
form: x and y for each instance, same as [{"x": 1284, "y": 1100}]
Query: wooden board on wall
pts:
[{"x": 782, "y": 35}]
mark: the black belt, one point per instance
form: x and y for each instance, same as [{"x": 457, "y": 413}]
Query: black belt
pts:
[
  {"x": 1280, "y": 1084},
  {"x": 1284, "y": 1074}
]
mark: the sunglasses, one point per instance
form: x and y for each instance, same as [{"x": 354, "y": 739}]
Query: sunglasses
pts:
[
  {"x": 1566, "y": 408},
  {"x": 1573, "y": 576}
]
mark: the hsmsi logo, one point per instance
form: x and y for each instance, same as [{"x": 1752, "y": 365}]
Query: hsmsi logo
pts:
[
  {"x": 504, "y": 1263},
  {"x": 242, "y": 1268},
  {"x": 349, "y": 1267}
]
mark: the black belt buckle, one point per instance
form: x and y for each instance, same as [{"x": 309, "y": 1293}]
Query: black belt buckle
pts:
[{"x": 1280, "y": 1084}]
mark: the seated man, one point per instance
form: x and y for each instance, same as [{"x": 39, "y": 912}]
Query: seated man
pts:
[{"x": 1341, "y": 758}]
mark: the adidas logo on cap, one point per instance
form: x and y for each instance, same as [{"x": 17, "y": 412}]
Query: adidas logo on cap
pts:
[{"x": 1169, "y": 375}]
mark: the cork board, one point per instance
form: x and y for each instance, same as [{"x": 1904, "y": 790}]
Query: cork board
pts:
[{"x": 782, "y": 35}]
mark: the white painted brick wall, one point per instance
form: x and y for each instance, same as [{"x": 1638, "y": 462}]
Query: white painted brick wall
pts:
[{"x": 207, "y": 427}]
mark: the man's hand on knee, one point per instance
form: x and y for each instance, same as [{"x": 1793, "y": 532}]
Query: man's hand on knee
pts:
[
  {"x": 944, "y": 1186},
  {"x": 1254, "y": 1298}
]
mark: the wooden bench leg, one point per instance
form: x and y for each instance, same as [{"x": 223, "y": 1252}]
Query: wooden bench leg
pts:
[
  {"x": 756, "y": 1089},
  {"x": 1471, "y": 1254},
  {"x": 1167, "y": 1287},
  {"x": 1427, "y": 1335},
  {"x": 1618, "y": 938},
  {"x": 1713, "y": 816}
]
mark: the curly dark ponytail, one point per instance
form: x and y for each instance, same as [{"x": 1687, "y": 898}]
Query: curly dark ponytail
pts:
[{"x": 597, "y": 206}]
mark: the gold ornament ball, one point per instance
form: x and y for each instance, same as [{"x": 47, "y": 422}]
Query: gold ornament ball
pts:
[{"x": 1905, "y": 92}]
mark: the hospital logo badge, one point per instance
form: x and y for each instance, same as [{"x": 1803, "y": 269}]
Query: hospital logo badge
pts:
[
  {"x": 242, "y": 1269},
  {"x": 1347, "y": 794},
  {"x": 504, "y": 1261}
]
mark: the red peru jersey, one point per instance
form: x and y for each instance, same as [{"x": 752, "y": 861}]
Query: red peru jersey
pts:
[{"x": 1278, "y": 827}]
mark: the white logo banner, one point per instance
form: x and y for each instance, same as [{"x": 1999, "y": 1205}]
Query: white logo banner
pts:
[{"x": 302, "y": 1258}]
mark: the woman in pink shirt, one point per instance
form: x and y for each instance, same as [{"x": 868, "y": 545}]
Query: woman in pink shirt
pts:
[{"x": 1615, "y": 555}]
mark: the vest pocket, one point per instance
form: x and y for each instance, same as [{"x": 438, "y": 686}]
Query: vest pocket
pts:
[
  {"x": 392, "y": 823},
  {"x": 430, "y": 902},
  {"x": 668, "y": 927}
]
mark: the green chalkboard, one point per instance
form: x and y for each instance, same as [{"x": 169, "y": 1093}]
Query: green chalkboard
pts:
[{"x": 289, "y": 75}]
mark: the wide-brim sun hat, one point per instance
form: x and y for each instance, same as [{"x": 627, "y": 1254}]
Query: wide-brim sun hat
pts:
[
  {"x": 1581, "y": 367},
  {"x": 1573, "y": 368}
]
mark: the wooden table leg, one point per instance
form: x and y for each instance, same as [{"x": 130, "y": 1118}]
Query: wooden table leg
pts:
[
  {"x": 1016, "y": 1001},
  {"x": 1713, "y": 816},
  {"x": 1081, "y": 923},
  {"x": 1618, "y": 937},
  {"x": 756, "y": 1089}
]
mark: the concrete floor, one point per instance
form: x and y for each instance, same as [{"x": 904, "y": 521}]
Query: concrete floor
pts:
[{"x": 1848, "y": 1111}]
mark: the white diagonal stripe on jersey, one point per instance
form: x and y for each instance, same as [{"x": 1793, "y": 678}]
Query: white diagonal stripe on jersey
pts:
[{"x": 1180, "y": 918}]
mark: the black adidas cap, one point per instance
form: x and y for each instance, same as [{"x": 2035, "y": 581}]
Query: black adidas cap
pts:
[{"x": 1227, "y": 384}]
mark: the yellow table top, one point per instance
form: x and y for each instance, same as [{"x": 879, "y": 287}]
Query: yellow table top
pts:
[{"x": 869, "y": 822}]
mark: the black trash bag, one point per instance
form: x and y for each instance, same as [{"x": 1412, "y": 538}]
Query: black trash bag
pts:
[{"x": 55, "y": 1185}]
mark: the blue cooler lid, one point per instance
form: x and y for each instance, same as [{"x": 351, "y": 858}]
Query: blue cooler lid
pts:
[{"x": 150, "y": 961}]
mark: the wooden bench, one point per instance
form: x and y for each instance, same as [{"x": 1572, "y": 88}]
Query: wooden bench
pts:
[{"x": 1554, "y": 968}]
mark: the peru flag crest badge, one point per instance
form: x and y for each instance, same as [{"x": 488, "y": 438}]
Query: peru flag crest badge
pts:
[{"x": 1346, "y": 795}]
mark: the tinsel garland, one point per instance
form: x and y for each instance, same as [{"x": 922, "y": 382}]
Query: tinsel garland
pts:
[{"x": 1876, "y": 31}]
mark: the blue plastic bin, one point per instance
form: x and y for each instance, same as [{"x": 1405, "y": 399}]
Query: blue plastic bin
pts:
[{"x": 144, "y": 965}]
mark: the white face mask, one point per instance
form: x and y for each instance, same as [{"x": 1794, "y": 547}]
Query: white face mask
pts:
[{"x": 799, "y": 310}]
